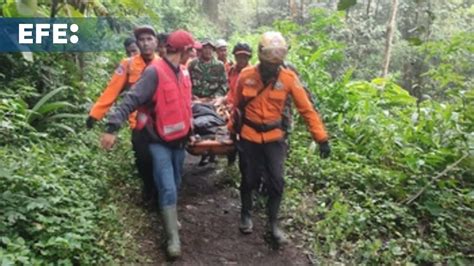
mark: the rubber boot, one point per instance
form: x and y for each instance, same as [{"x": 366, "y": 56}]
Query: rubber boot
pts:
[
  {"x": 246, "y": 225},
  {"x": 212, "y": 158},
  {"x": 231, "y": 158},
  {"x": 277, "y": 233},
  {"x": 204, "y": 160},
  {"x": 170, "y": 219}
]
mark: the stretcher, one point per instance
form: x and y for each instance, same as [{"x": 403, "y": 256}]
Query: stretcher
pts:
[
  {"x": 211, "y": 147},
  {"x": 211, "y": 134}
]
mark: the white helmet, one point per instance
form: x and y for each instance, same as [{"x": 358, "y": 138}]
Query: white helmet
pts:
[
  {"x": 221, "y": 43},
  {"x": 272, "y": 47}
]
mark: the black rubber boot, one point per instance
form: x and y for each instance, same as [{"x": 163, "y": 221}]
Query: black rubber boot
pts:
[
  {"x": 212, "y": 158},
  {"x": 204, "y": 160},
  {"x": 231, "y": 158},
  {"x": 246, "y": 225},
  {"x": 277, "y": 233}
]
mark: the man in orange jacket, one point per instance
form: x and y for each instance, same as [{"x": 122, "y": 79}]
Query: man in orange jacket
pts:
[
  {"x": 221, "y": 51},
  {"x": 260, "y": 97},
  {"x": 126, "y": 74},
  {"x": 131, "y": 47},
  {"x": 242, "y": 54}
]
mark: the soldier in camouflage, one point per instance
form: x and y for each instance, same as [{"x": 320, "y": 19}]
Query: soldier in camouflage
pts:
[{"x": 208, "y": 74}]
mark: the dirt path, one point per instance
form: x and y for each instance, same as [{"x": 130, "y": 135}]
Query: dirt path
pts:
[{"x": 208, "y": 211}]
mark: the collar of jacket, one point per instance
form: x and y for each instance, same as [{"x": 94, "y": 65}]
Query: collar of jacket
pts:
[
  {"x": 139, "y": 57},
  {"x": 175, "y": 69}
]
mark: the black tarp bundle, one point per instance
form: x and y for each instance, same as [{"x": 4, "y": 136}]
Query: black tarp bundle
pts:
[{"x": 206, "y": 120}]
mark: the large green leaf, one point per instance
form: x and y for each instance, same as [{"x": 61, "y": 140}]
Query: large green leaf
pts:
[
  {"x": 64, "y": 127},
  {"x": 34, "y": 111},
  {"x": 52, "y": 107},
  {"x": 47, "y": 97}
]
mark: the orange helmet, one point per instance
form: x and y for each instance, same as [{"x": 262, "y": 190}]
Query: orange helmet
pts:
[{"x": 272, "y": 47}]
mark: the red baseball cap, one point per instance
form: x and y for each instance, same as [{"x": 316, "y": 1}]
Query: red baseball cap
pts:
[
  {"x": 197, "y": 45},
  {"x": 181, "y": 40}
]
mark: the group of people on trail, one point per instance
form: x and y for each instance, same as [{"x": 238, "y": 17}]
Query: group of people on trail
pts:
[{"x": 158, "y": 85}]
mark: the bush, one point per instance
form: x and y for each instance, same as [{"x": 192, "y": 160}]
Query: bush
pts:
[
  {"x": 54, "y": 202},
  {"x": 357, "y": 207}
]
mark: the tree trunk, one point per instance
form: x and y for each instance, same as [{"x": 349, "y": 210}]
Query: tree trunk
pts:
[
  {"x": 54, "y": 8},
  {"x": 376, "y": 10},
  {"x": 293, "y": 9},
  {"x": 301, "y": 12},
  {"x": 332, "y": 4},
  {"x": 369, "y": 2},
  {"x": 211, "y": 8},
  {"x": 417, "y": 14},
  {"x": 257, "y": 13},
  {"x": 430, "y": 21},
  {"x": 391, "y": 26}
]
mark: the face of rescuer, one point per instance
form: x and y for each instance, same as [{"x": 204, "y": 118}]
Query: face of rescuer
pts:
[
  {"x": 147, "y": 44},
  {"x": 132, "y": 49}
]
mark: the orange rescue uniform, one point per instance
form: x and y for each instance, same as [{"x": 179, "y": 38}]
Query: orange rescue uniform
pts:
[
  {"x": 269, "y": 104},
  {"x": 126, "y": 74},
  {"x": 232, "y": 78},
  {"x": 227, "y": 66}
]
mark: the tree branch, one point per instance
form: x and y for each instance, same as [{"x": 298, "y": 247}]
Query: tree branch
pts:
[{"x": 410, "y": 200}]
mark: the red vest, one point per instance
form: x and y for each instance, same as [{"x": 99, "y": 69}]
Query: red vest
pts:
[{"x": 172, "y": 102}]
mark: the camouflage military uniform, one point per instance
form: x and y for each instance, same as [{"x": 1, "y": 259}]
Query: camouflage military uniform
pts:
[{"x": 209, "y": 79}]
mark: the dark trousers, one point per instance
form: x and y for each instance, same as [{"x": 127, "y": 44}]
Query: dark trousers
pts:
[
  {"x": 143, "y": 160},
  {"x": 262, "y": 160}
]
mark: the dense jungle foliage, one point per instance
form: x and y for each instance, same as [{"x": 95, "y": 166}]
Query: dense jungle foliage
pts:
[{"x": 398, "y": 188}]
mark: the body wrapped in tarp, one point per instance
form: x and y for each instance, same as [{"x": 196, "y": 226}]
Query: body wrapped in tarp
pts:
[
  {"x": 206, "y": 120},
  {"x": 210, "y": 134}
]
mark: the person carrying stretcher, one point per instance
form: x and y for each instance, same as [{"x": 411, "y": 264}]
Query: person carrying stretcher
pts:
[{"x": 259, "y": 102}]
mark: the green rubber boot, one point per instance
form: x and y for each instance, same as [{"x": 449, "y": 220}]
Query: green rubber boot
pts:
[
  {"x": 170, "y": 219},
  {"x": 246, "y": 225}
]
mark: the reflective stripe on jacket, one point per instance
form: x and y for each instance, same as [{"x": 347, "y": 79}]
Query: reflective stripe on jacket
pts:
[{"x": 125, "y": 75}]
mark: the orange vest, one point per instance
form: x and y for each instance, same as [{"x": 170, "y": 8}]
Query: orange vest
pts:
[
  {"x": 266, "y": 107},
  {"x": 232, "y": 78},
  {"x": 228, "y": 65},
  {"x": 126, "y": 74}
]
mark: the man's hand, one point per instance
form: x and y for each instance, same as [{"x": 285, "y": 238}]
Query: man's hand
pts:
[
  {"x": 90, "y": 122},
  {"x": 107, "y": 141},
  {"x": 324, "y": 150}
]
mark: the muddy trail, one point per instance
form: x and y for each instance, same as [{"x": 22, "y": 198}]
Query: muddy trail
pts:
[{"x": 209, "y": 209}]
